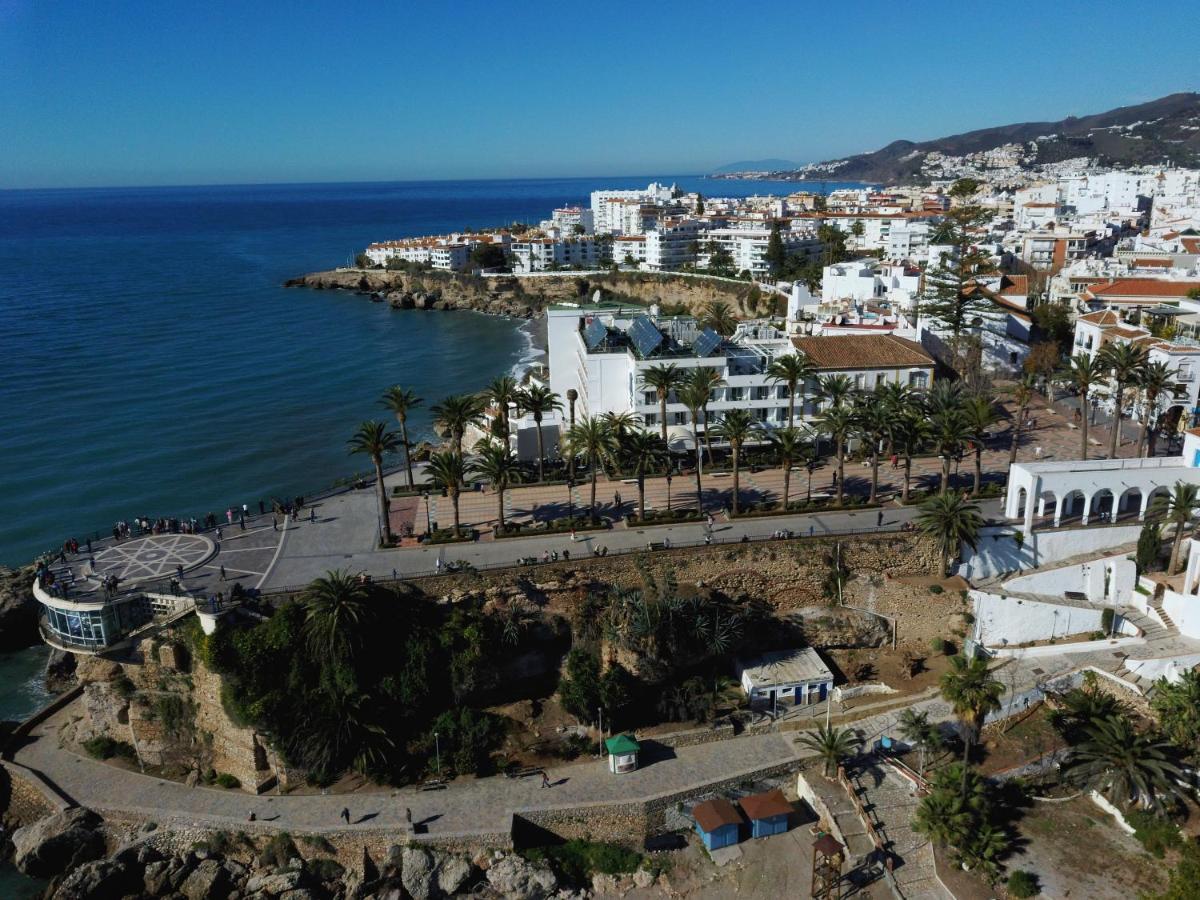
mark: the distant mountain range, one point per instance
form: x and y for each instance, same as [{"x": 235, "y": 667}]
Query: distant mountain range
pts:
[
  {"x": 757, "y": 165},
  {"x": 1161, "y": 131}
]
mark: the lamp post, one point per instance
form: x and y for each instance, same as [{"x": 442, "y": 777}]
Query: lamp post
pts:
[
  {"x": 572, "y": 396},
  {"x": 668, "y": 490},
  {"x": 428, "y": 518},
  {"x": 571, "y": 494},
  {"x": 437, "y": 746}
]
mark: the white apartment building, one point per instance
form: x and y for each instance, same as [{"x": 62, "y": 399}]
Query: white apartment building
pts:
[
  {"x": 748, "y": 246},
  {"x": 568, "y": 219},
  {"x": 451, "y": 253},
  {"x": 629, "y": 249},
  {"x": 673, "y": 244},
  {"x": 540, "y": 254},
  {"x": 867, "y": 279},
  {"x": 600, "y": 351},
  {"x": 608, "y": 207}
]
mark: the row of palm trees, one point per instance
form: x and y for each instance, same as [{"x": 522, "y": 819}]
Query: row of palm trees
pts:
[{"x": 1121, "y": 367}]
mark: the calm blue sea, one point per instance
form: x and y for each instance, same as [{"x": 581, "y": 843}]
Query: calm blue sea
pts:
[{"x": 151, "y": 364}]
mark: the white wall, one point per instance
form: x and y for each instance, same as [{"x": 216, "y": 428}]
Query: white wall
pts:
[
  {"x": 995, "y": 557},
  {"x": 1001, "y": 620},
  {"x": 1085, "y": 578},
  {"x": 1184, "y": 611}
]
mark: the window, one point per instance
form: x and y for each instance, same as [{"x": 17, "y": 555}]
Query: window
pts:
[
  {"x": 918, "y": 379},
  {"x": 650, "y": 418},
  {"x": 680, "y": 418},
  {"x": 650, "y": 398},
  {"x": 734, "y": 394}
]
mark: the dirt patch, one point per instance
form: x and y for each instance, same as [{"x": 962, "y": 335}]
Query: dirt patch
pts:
[
  {"x": 1078, "y": 851},
  {"x": 1025, "y": 742}
]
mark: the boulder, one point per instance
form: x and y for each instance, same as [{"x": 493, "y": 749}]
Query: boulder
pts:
[
  {"x": 418, "y": 869},
  {"x": 18, "y": 610},
  {"x": 104, "y": 879},
  {"x": 156, "y": 878},
  {"x": 60, "y": 671},
  {"x": 514, "y": 877},
  {"x": 208, "y": 880},
  {"x": 274, "y": 884},
  {"x": 57, "y": 843},
  {"x": 452, "y": 874},
  {"x": 643, "y": 878}
]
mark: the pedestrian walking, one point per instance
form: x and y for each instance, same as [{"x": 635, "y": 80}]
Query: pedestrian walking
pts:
[
  {"x": 346, "y": 815},
  {"x": 312, "y": 515},
  {"x": 242, "y": 523},
  {"x": 545, "y": 779},
  {"x": 408, "y": 816},
  {"x": 222, "y": 573},
  {"x": 1037, "y": 453},
  {"x": 274, "y": 523},
  {"x": 245, "y": 510},
  {"x": 219, "y": 532},
  {"x": 252, "y": 817},
  {"x": 879, "y": 519}
]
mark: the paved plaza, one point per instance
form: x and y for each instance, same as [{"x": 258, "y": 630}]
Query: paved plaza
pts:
[{"x": 153, "y": 556}]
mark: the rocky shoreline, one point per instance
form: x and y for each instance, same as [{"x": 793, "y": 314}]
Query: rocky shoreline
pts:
[{"x": 524, "y": 297}]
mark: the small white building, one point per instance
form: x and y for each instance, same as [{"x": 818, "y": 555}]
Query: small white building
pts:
[{"x": 785, "y": 677}]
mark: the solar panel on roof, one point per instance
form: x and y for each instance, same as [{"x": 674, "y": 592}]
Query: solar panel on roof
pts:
[
  {"x": 706, "y": 342},
  {"x": 645, "y": 336},
  {"x": 594, "y": 334}
]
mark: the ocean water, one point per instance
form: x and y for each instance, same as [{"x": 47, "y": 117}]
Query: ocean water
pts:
[{"x": 152, "y": 364}]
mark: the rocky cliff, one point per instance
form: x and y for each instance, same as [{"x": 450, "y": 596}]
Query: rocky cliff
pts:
[
  {"x": 18, "y": 611},
  {"x": 526, "y": 296}
]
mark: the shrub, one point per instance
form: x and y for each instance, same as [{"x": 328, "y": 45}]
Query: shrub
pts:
[
  {"x": 226, "y": 780},
  {"x": 1022, "y": 884},
  {"x": 104, "y": 747},
  {"x": 124, "y": 687},
  {"x": 1106, "y": 620},
  {"x": 938, "y": 645},
  {"x": 324, "y": 869},
  {"x": 1155, "y": 834},
  {"x": 318, "y": 843},
  {"x": 936, "y": 589},
  {"x": 280, "y": 848},
  {"x": 576, "y": 861}
]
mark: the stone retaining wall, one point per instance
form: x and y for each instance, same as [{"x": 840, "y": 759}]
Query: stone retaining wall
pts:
[{"x": 23, "y": 799}]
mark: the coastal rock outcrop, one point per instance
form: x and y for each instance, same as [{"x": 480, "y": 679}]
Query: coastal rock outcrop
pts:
[
  {"x": 514, "y": 877},
  {"x": 58, "y": 842},
  {"x": 18, "y": 609}
]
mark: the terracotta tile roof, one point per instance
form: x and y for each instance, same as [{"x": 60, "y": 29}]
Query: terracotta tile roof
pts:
[
  {"x": 764, "y": 806},
  {"x": 1190, "y": 244},
  {"x": 712, "y": 814},
  {"x": 1146, "y": 263},
  {"x": 1144, "y": 287},
  {"x": 862, "y": 351},
  {"x": 1014, "y": 284},
  {"x": 1195, "y": 431},
  {"x": 1104, "y": 317}
]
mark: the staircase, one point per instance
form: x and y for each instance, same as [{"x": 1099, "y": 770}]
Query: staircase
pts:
[{"x": 890, "y": 802}]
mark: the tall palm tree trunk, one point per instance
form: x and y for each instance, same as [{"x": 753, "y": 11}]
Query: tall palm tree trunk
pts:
[
  {"x": 641, "y": 496},
  {"x": 1142, "y": 431},
  {"x": 736, "y": 482},
  {"x": 907, "y": 477},
  {"x": 1179, "y": 526},
  {"x": 1085, "y": 407},
  {"x": 1115, "y": 439},
  {"x": 978, "y": 469},
  {"x": 791, "y": 406},
  {"x": 1016, "y": 438},
  {"x": 593, "y": 464},
  {"x": 699, "y": 492},
  {"x": 454, "y": 494},
  {"x": 707, "y": 437},
  {"x": 537, "y": 421},
  {"x": 945, "y": 472},
  {"x": 500, "y": 506},
  {"x": 787, "y": 482},
  {"x": 381, "y": 493},
  {"x": 874, "y": 474},
  {"x": 841, "y": 463},
  {"x": 407, "y": 452},
  {"x": 662, "y": 408}
]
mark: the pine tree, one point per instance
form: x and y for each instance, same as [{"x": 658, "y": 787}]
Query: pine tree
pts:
[
  {"x": 952, "y": 299},
  {"x": 776, "y": 256}
]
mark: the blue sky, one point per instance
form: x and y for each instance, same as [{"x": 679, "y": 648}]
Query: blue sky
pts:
[{"x": 165, "y": 92}]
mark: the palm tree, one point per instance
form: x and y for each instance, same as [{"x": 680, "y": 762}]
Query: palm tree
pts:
[
  {"x": 897, "y": 399},
  {"x": 983, "y": 849},
  {"x": 1124, "y": 363},
  {"x": 447, "y": 470},
  {"x": 335, "y": 613},
  {"x": 401, "y": 403},
  {"x": 837, "y": 389},
  {"x": 951, "y": 521},
  {"x": 694, "y": 396},
  {"x": 623, "y": 424},
  {"x": 537, "y": 400},
  {"x": 1131, "y": 768},
  {"x": 873, "y": 422},
  {"x": 911, "y": 430},
  {"x": 1176, "y": 508},
  {"x": 832, "y": 745},
  {"x": 498, "y": 465},
  {"x": 918, "y": 731},
  {"x": 502, "y": 393},
  {"x": 790, "y": 444},
  {"x": 979, "y": 415},
  {"x": 592, "y": 439},
  {"x": 1023, "y": 395},
  {"x": 454, "y": 414},
  {"x": 737, "y": 426},
  {"x": 943, "y": 818},
  {"x": 718, "y": 315},
  {"x": 1082, "y": 373},
  {"x": 972, "y": 693},
  {"x": 643, "y": 452},
  {"x": 1178, "y": 709},
  {"x": 1157, "y": 379},
  {"x": 708, "y": 379},
  {"x": 837, "y": 421},
  {"x": 949, "y": 429},
  {"x": 374, "y": 440},
  {"x": 663, "y": 378},
  {"x": 794, "y": 370}
]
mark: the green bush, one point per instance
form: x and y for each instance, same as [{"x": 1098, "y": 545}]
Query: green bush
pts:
[
  {"x": 124, "y": 687},
  {"x": 1106, "y": 620},
  {"x": 936, "y": 589},
  {"x": 1155, "y": 834},
  {"x": 1022, "y": 884},
  {"x": 318, "y": 843},
  {"x": 938, "y": 645},
  {"x": 104, "y": 747},
  {"x": 279, "y": 850},
  {"x": 226, "y": 780},
  {"x": 576, "y": 861},
  {"x": 324, "y": 869}
]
